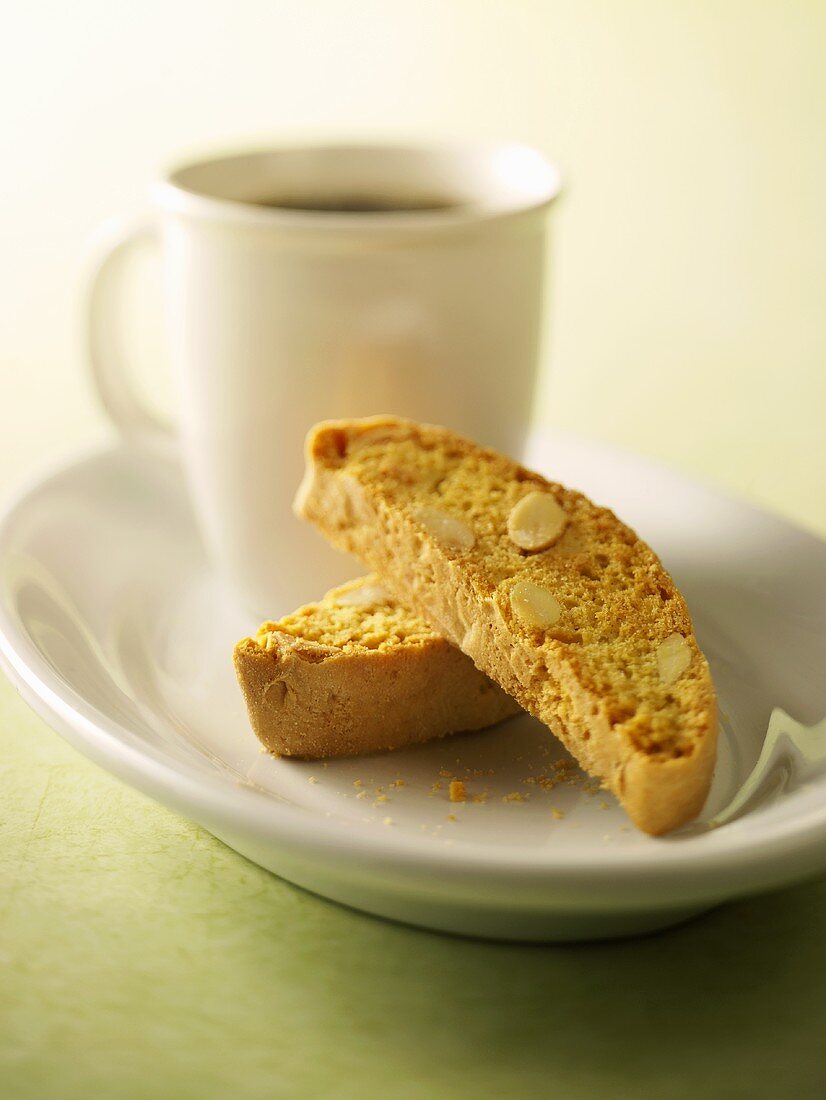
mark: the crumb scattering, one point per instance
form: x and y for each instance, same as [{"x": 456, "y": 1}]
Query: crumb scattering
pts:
[
  {"x": 451, "y": 817},
  {"x": 387, "y": 821},
  {"x": 312, "y": 779},
  {"x": 558, "y": 814},
  {"x": 458, "y": 791},
  {"x": 514, "y": 796},
  {"x": 358, "y": 782}
]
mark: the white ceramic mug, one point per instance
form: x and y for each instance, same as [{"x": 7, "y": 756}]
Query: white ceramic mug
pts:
[{"x": 282, "y": 315}]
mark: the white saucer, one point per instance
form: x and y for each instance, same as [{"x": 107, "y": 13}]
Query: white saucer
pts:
[{"x": 116, "y": 631}]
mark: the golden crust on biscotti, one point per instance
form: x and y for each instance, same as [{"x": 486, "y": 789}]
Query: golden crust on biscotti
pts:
[
  {"x": 357, "y": 673},
  {"x": 589, "y": 633}
]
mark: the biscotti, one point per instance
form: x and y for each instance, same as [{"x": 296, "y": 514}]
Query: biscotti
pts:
[
  {"x": 552, "y": 596},
  {"x": 357, "y": 673}
]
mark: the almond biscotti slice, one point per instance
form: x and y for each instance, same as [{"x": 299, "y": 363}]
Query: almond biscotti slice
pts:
[
  {"x": 356, "y": 673},
  {"x": 552, "y": 596}
]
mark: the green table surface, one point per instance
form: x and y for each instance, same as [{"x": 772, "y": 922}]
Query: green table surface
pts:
[{"x": 140, "y": 957}]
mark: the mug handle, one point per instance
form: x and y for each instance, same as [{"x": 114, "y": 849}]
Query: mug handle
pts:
[{"x": 106, "y": 356}]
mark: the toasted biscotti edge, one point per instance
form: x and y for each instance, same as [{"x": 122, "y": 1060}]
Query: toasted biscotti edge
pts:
[
  {"x": 659, "y": 794},
  {"x": 313, "y": 701}
]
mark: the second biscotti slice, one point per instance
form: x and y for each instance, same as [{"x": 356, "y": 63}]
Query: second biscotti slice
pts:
[
  {"x": 356, "y": 673},
  {"x": 551, "y": 595}
]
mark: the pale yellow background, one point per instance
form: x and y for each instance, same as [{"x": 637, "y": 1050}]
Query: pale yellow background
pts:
[{"x": 688, "y": 294}]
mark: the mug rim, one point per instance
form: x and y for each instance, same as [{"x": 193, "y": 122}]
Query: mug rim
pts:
[{"x": 178, "y": 193}]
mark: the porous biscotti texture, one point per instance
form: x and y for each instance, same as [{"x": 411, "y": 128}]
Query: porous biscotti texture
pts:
[
  {"x": 357, "y": 673},
  {"x": 587, "y": 631}
]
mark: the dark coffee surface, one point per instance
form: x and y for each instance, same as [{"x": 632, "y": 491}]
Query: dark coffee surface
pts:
[{"x": 358, "y": 203}]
